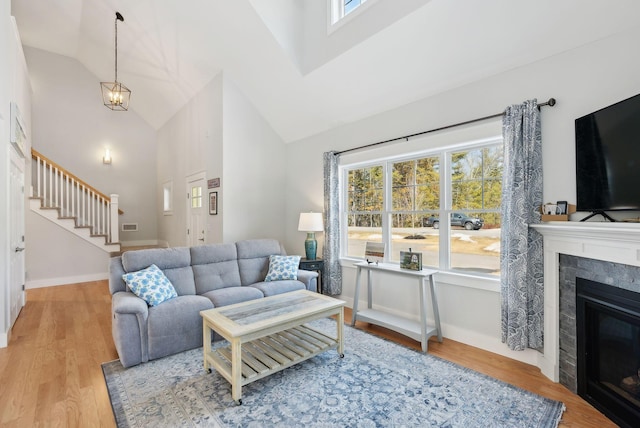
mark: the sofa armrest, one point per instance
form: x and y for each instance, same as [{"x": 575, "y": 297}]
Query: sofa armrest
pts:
[
  {"x": 124, "y": 302},
  {"x": 129, "y": 328},
  {"x": 309, "y": 279}
]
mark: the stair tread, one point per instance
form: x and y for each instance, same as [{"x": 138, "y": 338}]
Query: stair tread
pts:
[{"x": 76, "y": 226}]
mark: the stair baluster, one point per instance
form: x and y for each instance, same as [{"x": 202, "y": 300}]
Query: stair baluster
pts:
[{"x": 58, "y": 189}]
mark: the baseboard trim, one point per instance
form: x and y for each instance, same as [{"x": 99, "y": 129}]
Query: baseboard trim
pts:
[
  {"x": 51, "y": 282},
  {"x": 4, "y": 339},
  {"x": 143, "y": 243},
  {"x": 468, "y": 337}
]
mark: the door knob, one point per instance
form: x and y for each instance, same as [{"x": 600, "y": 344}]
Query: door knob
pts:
[{"x": 18, "y": 249}]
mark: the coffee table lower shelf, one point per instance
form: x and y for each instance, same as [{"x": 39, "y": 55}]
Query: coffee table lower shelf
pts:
[{"x": 269, "y": 354}]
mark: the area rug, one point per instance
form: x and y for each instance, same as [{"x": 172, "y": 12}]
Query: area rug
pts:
[{"x": 377, "y": 384}]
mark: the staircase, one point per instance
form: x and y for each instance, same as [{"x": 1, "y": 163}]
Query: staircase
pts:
[{"x": 74, "y": 205}]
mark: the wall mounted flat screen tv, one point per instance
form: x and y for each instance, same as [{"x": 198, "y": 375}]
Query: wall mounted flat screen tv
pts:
[{"x": 608, "y": 158}]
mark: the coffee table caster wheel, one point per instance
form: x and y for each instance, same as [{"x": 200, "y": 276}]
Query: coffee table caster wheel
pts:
[
  {"x": 209, "y": 371},
  {"x": 341, "y": 355},
  {"x": 239, "y": 402}
]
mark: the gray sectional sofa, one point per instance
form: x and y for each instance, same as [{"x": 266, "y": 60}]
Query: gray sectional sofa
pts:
[{"x": 204, "y": 277}]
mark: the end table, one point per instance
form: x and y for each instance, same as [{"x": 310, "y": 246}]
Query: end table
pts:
[{"x": 316, "y": 265}]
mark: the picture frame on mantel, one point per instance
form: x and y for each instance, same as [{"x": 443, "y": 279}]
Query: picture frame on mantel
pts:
[{"x": 213, "y": 203}]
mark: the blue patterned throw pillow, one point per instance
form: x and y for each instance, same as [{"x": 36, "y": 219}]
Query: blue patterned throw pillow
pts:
[
  {"x": 151, "y": 285},
  {"x": 283, "y": 267}
]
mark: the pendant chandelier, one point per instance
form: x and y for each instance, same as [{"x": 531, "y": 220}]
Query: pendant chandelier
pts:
[{"x": 115, "y": 95}]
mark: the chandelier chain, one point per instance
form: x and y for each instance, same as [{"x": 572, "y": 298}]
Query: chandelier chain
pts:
[{"x": 116, "y": 62}]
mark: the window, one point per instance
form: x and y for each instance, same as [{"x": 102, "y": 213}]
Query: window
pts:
[
  {"x": 342, "y": 8},
  {"x": 445, "y": 204},
  {"x": 365, "y": 207},
  {"x": 196, "y": 197},
  {"x": 167, "y": 195}
]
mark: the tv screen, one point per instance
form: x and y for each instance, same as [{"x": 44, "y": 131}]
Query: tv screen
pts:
[{"x": 608, "y": 158}]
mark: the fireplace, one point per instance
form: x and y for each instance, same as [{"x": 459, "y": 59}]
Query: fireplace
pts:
[{"x": 608, "y": 350}]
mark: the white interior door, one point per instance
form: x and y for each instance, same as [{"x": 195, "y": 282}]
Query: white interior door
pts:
[
  {"x": 196, "y": 209},
  {"x": 16, "y": 221}
]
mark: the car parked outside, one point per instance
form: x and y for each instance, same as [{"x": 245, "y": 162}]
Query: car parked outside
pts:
[{"x": 457, "y": 219}]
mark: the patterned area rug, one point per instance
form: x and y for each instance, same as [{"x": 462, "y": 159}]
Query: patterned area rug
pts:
[{"x": 377, "y": 384}]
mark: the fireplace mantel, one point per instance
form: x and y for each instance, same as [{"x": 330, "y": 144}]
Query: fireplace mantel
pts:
[{"x": 612, "y": 242}]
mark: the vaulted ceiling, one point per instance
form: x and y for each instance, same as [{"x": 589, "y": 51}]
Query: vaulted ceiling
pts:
[{"x": 169, "y": 49}]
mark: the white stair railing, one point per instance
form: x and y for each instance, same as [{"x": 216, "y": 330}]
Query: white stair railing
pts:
[{"x": 59, "y": 189}]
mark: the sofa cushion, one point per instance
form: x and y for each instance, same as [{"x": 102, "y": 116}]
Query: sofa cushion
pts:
[
  {"x": 175, "y": 263},
  {"x": 282, "y": 267},
  {"x": 253, "y": 258},
  {"x": 151, "y": 285},
  {"x": 176, "y": 325},
  {"x": 272, "y": 288},
  {"x": 214, "y": 267},
  {"x": 231, "y": 295}
]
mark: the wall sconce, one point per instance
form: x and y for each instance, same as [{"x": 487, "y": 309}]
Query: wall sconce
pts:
[{"x": 106, "y": 159}]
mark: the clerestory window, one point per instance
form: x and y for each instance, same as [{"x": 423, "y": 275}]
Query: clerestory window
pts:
[
  {"x": 342, "y": 8},
  {"x": 444, "y": 204}
]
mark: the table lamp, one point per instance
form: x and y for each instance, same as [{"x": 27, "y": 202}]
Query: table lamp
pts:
[{"x": 310, "y": 223}]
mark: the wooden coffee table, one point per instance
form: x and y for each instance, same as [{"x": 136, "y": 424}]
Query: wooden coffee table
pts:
[{"x": 268, "y": 335}]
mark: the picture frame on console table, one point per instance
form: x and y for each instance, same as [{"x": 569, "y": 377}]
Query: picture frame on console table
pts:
[
  {"x": 374, "y": 252},
  {"x": 410, "y": 260}
]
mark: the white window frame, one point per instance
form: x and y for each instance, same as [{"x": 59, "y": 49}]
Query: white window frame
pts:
[
  {"x": 472, "y": 279},
  {"x": 336, "y": 15}
]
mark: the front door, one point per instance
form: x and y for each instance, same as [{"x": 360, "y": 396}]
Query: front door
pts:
[
  {"x": 16, "y": 241},
  {"x": 196, "y": 207}
]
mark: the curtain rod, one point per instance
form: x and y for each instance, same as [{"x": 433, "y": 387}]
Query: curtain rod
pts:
[{"x": 550, "y": 103}]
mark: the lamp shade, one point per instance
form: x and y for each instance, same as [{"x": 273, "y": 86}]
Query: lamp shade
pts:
[{"x": 310, "y": 222}]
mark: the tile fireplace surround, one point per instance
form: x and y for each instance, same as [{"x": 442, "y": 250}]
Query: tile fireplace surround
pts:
[{"x": 609, "y": 242}]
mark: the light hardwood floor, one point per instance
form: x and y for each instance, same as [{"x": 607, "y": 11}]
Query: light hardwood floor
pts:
[{"x": 50, "y": 374}]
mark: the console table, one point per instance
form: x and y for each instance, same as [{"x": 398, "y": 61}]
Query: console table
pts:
[{"x": 419, "y": 331}]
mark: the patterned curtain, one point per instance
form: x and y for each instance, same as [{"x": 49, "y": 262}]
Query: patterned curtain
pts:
[
  {"x": 332, "y": 273},
  {"x": 521, "y": 247}
]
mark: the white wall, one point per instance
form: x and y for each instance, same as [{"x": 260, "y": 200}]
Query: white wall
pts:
[
  {"x": 284, "y": 18},
  {"x": 73, "y": 260},
  {"x": 321, "y": 46},
  {"x": 191, "y": 142},
  {"x": 72, "y": 128},
  {"x": 221, "y": 133},
  {"x": 582, "y": 80},
  {"x": 6, "y": 72},
  {"x": 254, "y": 177}
]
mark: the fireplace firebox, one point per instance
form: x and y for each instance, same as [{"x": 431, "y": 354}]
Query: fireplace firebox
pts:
[{"x": 608, "y": 350}]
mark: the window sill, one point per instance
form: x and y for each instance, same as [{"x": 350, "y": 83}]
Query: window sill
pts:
[{"x": 477, "y": 282}]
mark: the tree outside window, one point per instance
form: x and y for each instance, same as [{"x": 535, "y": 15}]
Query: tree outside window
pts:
[{"x": 415, "y": 206}]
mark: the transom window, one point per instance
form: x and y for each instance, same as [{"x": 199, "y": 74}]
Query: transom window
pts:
[{"x": 444, "y": 204}]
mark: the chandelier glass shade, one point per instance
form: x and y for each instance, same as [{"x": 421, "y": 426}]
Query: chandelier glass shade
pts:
[{"x": 115, "y": 95}]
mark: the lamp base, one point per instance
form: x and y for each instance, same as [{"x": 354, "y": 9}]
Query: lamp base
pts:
[{"x": 311, "y": 246}]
